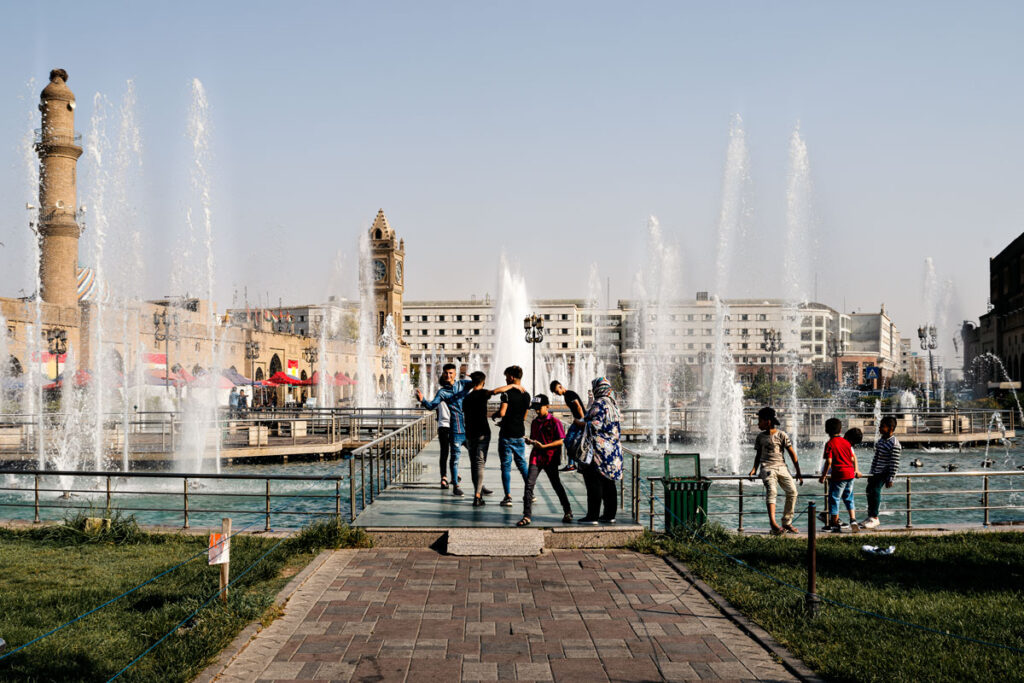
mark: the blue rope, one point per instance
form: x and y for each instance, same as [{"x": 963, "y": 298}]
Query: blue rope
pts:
[{"x": 894, "y": 620}]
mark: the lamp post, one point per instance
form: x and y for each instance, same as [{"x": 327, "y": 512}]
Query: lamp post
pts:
[
  {"x": 387, "y": 363},
  {"x": 837, "y": 349},
  {"x": 252, "y": 352},
  {"x": 57, "y": 345},
  {"x": 929, "y": 342},
  {"x": 165, "y": 329},
  {"x": 311, "y": 353},
  {"x": 533, "y": 324},
  {"x": 703, "y": 357},
  {"x": 772, "y": 344}
]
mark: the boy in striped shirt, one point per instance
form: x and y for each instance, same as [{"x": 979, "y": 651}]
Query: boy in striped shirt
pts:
[{"x": 884, "y": 467}]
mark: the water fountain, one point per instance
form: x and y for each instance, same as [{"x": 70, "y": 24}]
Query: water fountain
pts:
[
  {"x": 511, "y": 305},
  {"x": 725, "y": 428},
  {"x": 366, "y": 389},
  {"x": 937, "y": 296}
]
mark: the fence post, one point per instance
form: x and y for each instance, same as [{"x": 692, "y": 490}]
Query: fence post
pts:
[
  {"x": 352, "y": 487},
  {"x": 337, "y": 501},
  {"x": 651, "y": 517},
  {"x": 108, "y": 495},
  {"x": 184, "y": 482},
  {"x": 739, "y": 526},
  {"x": 266, "y": 526},
  {"x": 910, "y": 522},
  {"x": 986, "y": 500},
  {"x": 36, "y": 520},
  {"x": 812, "y": 601}
]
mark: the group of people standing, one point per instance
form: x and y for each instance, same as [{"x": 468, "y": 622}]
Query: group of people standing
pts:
[
  {"x": 591, "y": 441},
  {"x": 839, "y": 468}
]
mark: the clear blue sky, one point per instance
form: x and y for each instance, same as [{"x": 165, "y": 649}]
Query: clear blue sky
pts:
[{"x": 551, "y": 130}]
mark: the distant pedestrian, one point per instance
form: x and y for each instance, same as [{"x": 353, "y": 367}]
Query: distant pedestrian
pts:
[
  {"x": 546, "y": 436},
  {"x": 840, "y": 469},
  {"x": 884, "y": 467},
  {"x": 451, "y": 392},
  {"x": 601, "y": 453},
  {"x": 243, "y": 402},
  {"x": 575, "y": 434},
  {"x": 233, "y": 402},
  {"x": 771, "y": 446},
  {"x": 478, "y": 433},
  {"x": 515, "y": 401}
]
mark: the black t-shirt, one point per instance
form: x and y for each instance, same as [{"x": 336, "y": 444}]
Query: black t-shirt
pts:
[
  {"x": 474, "y": 408},
  {"x": 513, "y": 425},
  {"x": 570, "y": 397}
]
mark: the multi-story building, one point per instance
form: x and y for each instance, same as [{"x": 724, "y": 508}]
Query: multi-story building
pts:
[
  {"x": 1000, "y": 331},
  {"x": 873, "y": 353}
]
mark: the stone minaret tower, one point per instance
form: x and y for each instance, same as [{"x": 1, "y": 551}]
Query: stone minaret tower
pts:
[
  {"x": 58, "y": 148},
  {"x": 388, "y": 254}
]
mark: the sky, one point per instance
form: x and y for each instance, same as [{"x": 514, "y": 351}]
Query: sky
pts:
[{"x": 547, "y": 131}]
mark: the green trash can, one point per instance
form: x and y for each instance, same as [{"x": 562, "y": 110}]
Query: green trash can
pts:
[{"x": 686, "y": 497}]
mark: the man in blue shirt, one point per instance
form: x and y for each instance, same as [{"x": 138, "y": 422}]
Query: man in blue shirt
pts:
[{"x": 452, "y": 392}]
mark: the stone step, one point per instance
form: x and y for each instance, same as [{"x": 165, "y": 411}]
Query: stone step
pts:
[{"x": 511, "y": 542}]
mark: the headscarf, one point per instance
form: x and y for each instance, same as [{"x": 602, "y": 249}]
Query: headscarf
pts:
[{"x": 603, "y": 388}]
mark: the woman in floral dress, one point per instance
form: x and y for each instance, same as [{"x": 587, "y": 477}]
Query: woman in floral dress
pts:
[{"x": 601, "y": 453}]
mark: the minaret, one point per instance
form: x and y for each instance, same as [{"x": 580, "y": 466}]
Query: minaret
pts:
[
  {"x": 59, "y": 149},
  {"x": 388, "y": 254}
]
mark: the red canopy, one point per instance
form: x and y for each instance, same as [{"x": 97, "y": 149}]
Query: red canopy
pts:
[{"x": 281, "y": 378}]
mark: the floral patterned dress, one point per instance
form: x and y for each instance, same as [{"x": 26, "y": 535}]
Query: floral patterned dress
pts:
[{"x": 601, "y": 438}]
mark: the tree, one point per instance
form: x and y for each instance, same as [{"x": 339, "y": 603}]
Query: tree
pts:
[{"x": 902, "y": 381}]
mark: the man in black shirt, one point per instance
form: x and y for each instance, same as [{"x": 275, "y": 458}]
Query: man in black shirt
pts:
[
  {"x": 478, "y": 433},
  {"x": 573, "y": 437},
  {"x": 515, "y": 402}
]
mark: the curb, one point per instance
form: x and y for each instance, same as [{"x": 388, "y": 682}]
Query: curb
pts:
[
  {"x": 793, "y": 664},
  {"x": 235, "y": 647}
]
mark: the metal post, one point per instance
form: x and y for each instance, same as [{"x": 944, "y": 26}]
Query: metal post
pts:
[
  {"x": 812, "y": 601},
  {"x": 184, "y": 482},
  {"x": 352, "y": 487},
  {"x": 362, "y": 480},
  {"x": 985, "y": 500},
  {"x": 108, "y": 495},
  {"x": 910, "y": 523},
  {"x": 266, "y": 526},
  {"x": 739, "y": 527},
  {"x": 652, "y": 506},
  {"x": 337, "y": 501},
  {"x": 36, "y": 520}
]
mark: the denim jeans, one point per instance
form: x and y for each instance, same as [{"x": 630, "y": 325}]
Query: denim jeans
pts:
[
  {"x": 509, "y": 450},
  {"x": 453, "y": 456},
  {"x": 840, "y": 490},
  {"x": 874, "y": 493}
]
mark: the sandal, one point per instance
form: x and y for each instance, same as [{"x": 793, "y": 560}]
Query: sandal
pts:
[
  {"x": 444, "y": 482},
  {"x": 525, "y": 521},
  {"x": 790, "y": 529},
  {"x": 777, "y": 531}
]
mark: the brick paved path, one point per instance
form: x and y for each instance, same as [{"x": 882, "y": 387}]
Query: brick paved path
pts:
[{"x": 416, "y": 615}]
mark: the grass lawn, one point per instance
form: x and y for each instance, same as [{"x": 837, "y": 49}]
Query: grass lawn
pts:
[
  {"x": 50, "y": 575},
  {"x": 968, "y": 584}
]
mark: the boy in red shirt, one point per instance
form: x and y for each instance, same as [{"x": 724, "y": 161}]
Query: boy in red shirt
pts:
[
  {"x": 841, "y": 469},
  {"x": 546, "y": 436}
]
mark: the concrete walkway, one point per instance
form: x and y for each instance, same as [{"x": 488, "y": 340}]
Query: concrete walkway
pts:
[{"x": 568, "y": 615}]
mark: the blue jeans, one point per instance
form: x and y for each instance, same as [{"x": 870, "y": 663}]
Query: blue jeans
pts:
[
  {"x": 509, "y": 450},
  {"x": 874, "y": 492},
  {"x": 840, "y": 489},
  {"x": 453, "y": 457}
]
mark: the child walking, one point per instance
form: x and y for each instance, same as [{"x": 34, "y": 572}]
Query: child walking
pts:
[
  {"x": 546, "y": 436},
  {"x": 771, "y": 446},
  {"x": 884, "y": 467},
  {"x": 841, "y": 469}
]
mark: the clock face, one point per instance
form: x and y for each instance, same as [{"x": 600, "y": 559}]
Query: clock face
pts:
[
  {"x": 380, "y": 271},
  {"x": 398, "y": 271}
]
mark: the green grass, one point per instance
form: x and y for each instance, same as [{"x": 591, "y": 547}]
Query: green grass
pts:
[
  {"x": 49, "y": 575},
  {"x": 968, "y": 584}
]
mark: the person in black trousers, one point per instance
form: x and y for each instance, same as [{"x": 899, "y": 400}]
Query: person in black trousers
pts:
[{"x": 601, "y": 457}]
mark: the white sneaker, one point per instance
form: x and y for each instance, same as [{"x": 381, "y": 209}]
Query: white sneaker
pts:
[{"x": 871, "y": 523}]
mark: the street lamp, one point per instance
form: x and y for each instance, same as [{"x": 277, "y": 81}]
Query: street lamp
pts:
[
  {"x": 772, "y": 344},
  {"x": 837, "y": 349},
  {"x": 387, "y": 362},
  {"x": 252, "y": 352},
  {"x": 165, "y": 329},
  {"x": 929, "y": 342},
  {"x": 310, "y": 353},
  {"x": 533, "y": 324},
  {"x": 57, "y": 344},
  {"x": 703, "y": 357}
]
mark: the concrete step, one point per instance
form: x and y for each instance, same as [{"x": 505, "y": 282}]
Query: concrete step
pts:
[{"x": 511, "y": 542}]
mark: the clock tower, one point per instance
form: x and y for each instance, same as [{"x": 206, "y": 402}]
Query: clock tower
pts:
[{"x": 387, "y": 255}]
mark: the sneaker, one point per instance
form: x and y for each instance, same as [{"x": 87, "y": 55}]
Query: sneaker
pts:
[
  {"x": 590, "y": 521},
  {"x": 533, "y": 499},
  {"x": 567, "y": 518},
  {"x": 606, "y": 520},
  {"x": 568, "y": 468},
  {"x": 838, "y": 529},
  {"x": 854, "y": 527},
  {"x": 477, "y": 501},
  {"x": 486, "y": 491},
  {"x": 822, "y": 517},
  {"x": 871, "y": 523},
  {"x": 506, "y": 502},
  {"x": 456, "y": 491},
  {"x": 829, "y": 527}
]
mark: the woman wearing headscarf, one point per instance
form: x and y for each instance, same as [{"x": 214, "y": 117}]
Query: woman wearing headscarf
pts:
[{"x": 601, "y": 453}]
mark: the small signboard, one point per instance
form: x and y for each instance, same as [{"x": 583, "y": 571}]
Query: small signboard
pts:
[
  {"x": 220, "y": 549},
  {"x": 871, "y": 372}
]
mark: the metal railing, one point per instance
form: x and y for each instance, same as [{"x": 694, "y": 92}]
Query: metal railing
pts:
[
  {"x": 902, "y": 492},
  {"x": 380, "y": 463}
]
